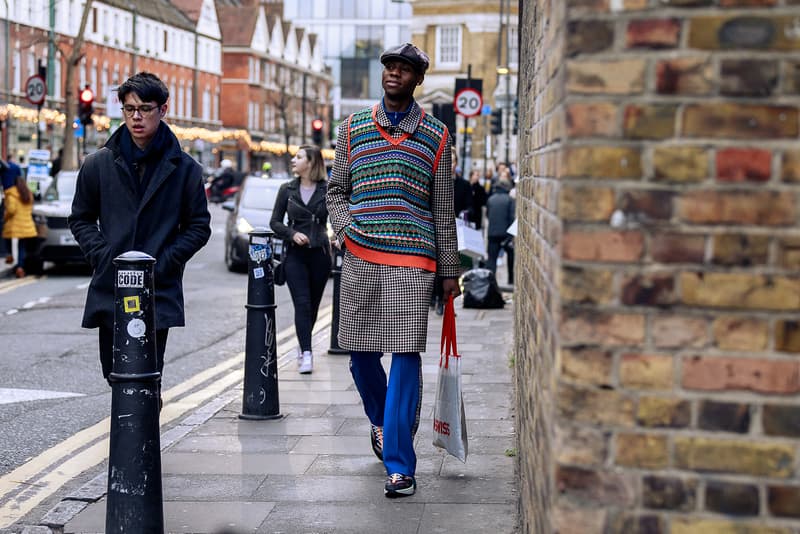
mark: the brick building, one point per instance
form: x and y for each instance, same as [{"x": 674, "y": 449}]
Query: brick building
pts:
[
  {"x": 658, "y": 295},
  {"x": 469, "y": 36}
]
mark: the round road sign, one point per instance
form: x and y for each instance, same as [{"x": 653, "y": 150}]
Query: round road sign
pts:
[
  {"x": 35, "y": 90},
  {"x": 468, "y": 102}
]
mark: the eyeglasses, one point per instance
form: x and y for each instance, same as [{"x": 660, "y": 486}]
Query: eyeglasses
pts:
[{"x": 144, "y": 109}]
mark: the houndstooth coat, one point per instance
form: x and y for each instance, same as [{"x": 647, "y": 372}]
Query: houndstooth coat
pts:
[{"x": 384, "y": 308}]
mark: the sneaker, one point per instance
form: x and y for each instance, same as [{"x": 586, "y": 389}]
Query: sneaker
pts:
[
  {"x": 398, "y": 485},
  {"x": 376, "y": 438},
  {"x": 306, "y": 363}
]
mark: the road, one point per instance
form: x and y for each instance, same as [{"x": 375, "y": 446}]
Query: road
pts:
[{"x": 51, "y": 386}]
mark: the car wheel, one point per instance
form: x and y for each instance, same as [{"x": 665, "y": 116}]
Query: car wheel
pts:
[{"x": 232, "y": 266}]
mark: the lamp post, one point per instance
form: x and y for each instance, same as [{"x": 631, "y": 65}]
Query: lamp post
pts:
[{"x": 8, "y": 75}]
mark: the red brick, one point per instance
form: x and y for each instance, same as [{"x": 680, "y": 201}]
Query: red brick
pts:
[
  {"x": 742, "y": 164},
  {"x": 685, "y": 76},
  {"x": 749, "y": 374},
  {"x": 653, "y": 33},
  {"x": 766, "y": 208},
  {"x": 678, "y": 248}
]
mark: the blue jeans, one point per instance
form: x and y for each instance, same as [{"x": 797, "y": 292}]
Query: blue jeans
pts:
[{"x": 395, "y": 406}]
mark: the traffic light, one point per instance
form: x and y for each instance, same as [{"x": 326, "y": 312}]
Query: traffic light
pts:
[
  {"x": 316, "y": 131},
  {"x": 85, "y": 105},
  {"x": 496, "y": 122}
]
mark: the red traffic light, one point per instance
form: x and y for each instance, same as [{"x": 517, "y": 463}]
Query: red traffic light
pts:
[
  {"x": 86, "y": 96},
  {"x": 317, "y": 124}
]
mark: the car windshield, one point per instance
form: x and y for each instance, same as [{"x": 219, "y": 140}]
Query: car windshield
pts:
[{"x": 259, "y": 193}]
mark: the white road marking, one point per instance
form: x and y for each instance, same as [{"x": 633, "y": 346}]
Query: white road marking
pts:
[
  {"x": 10, "y": 396},
  {"x": 42, "y": 476}
]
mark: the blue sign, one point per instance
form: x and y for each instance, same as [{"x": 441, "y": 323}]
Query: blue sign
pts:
[
  {"x": 77, "y": 128},
  {"x": 486, "y": 110}
]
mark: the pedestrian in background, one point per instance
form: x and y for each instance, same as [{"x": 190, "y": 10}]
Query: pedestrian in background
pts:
[
  {"x": 391, "y": 201},
  {"x": 478, "y": 199},
  {"x": 307, "y": 246},
  {"x": 500, "y": 213},
  {"x": 18, "y": 220},
  {"x": 147, "y": 194},
  {"x": 9, "y": 171}
]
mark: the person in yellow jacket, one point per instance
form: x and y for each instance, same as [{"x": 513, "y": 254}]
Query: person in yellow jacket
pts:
[{"x": 18, "y": 220}]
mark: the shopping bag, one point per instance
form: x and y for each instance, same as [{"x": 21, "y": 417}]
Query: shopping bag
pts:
[
  {"x": 470, "y": 240},
  {"x": 449, "y": 420}
]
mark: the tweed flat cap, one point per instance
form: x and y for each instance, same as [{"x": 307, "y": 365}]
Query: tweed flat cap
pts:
[{"x": 410, "y": 54}]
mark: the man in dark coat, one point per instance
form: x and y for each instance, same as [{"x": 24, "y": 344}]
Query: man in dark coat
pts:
[
  {"x": 139, "y": 192},
  {"x": 500, "y": 212}
]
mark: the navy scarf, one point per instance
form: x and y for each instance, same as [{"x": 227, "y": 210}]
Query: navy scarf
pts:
[{"x": 143, "y": 163}]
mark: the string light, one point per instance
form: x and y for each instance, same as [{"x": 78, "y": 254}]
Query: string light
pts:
[{"x": 102, "y": 123}]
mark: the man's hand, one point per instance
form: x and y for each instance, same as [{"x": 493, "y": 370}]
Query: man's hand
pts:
[{"x": 450, "y": 286}]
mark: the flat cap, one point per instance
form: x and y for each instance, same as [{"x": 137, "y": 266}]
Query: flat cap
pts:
[{"x": 410, "y": 54}]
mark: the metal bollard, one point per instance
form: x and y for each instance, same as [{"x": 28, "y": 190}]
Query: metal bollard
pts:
[
  {"x": 134, "y": 499},
  {"x": 260, "y": 400},
  {"x": 338, "y": 258}
]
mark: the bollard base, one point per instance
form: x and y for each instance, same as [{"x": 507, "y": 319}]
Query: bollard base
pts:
[
  {"x": 338, "y": 351},
  {"x": 249, "y": 417}
]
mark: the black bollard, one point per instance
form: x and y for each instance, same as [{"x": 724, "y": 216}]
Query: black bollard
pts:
[
  {"x": 134, "y": 499},
  {"x": 260, "y": 400},
  {"x": 338, "y": 258}
]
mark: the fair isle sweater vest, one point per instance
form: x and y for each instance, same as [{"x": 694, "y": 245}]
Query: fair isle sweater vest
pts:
[{"x": 391, "y": 197}]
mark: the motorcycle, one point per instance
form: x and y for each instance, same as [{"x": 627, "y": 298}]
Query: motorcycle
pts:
[{"x": 218, "y": 191}]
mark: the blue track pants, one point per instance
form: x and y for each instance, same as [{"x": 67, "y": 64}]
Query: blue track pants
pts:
[{"x": 395, "y": 406}]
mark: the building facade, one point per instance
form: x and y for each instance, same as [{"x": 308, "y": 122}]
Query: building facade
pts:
[
  {"x": 476, "y": 41},
  {"x": 352, "y": 36},
  {"x": 181, "y": 41}
]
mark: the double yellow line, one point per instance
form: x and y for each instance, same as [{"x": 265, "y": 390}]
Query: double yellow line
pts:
[{"x": 28, "y": 485}]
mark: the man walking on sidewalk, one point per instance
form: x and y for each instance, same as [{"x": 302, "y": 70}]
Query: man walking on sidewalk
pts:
[
  {"x": 139, "y": 192},
  {"x": 390, "y": 200}
]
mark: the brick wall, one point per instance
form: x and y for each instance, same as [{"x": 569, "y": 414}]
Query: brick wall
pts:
[{"x": 658, "y": 301}]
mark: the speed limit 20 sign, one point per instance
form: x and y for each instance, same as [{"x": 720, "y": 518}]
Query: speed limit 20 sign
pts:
[
  {"x": 468, "y": 102},
  {"x": 35, "y": 90}
]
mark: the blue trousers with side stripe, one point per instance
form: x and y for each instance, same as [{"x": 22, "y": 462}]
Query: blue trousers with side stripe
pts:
[{"x": 394, "y": 405}]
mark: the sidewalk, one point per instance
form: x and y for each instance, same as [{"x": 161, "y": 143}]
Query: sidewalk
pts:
[{"x": 314, "y": 471}]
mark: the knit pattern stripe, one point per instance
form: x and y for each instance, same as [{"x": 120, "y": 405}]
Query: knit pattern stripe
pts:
[{"x": 390, "y": 201}]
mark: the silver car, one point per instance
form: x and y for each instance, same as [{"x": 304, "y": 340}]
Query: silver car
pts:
[{"x": 56, "y": 243}]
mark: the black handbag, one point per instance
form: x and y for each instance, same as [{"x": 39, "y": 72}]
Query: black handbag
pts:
[{"x": 279, "y": 268}]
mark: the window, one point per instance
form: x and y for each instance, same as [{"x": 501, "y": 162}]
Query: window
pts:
[
  {"x": 166, "y": 41},
  {"x": 448, "y": 46},
  {"x": 94, "y": 20}
]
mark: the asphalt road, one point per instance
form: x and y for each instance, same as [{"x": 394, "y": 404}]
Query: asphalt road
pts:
[{"x": 45, "y": 353}]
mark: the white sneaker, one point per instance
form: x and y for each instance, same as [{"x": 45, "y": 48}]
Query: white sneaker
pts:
[{"x": 306, "y": 363}]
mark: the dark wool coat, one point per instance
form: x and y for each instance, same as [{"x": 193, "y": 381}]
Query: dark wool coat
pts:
[{"x": 170, "y": 222}]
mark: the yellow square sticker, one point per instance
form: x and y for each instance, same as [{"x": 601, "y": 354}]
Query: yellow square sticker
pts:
[{"x": 131, "y": 304}]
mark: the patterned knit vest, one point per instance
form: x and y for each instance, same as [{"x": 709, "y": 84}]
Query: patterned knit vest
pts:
[{"x": 392, "y": 184}]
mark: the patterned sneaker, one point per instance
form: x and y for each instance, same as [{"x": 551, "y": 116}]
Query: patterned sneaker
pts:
[
  {"x": 376, "y": 438},
  {"x": 398, "y": 485}
]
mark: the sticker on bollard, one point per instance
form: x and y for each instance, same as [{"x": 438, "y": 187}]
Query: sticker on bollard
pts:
[
  {"x": 130, "y": 279},
  {"x": 260, "y": 397}
]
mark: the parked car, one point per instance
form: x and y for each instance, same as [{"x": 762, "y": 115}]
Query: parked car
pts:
[
  {"x": 251, "y": 208},
  {"x": 55, "y": 241}
]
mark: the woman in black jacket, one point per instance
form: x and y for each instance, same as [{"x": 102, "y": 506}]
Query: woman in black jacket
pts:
[{"x": 307, "y": 250}]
